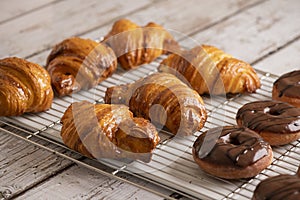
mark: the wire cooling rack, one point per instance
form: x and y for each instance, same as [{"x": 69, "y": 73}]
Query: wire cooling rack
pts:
[{"x": 172, "y": 165}]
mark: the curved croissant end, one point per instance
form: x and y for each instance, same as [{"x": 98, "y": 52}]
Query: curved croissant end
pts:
[{"x": 24, "y": 87}]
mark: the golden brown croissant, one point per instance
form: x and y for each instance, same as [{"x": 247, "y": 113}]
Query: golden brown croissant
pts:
[
  {"x": 135, "y": 45},
  {"x": 165, "y": 100},
  {"x": 24, "y": 87},
  {"x": 77, "y": 63},
  {"x": 107, "y": 131},
  {"x": 230, "y": 76}
]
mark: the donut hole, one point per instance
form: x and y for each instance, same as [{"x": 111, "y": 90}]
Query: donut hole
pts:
[
  {"x": 235, "y": 141},
  {"x": 228, "y": 139},
  {"x": 274, "y": 112}
]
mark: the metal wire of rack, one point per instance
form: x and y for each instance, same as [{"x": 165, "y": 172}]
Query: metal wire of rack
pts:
[{"x": 172, "y": 165}]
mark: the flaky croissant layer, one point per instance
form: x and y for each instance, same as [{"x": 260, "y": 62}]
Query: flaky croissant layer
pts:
[
  {"x": 211, "y": 71},
  {"x": 77, "y": 63},
  {"x": 165, "y": 100},
  {"x": 107, "y": 131},
  {"x": 24, "y": 87},
  {"x": 135, "y": 45}
]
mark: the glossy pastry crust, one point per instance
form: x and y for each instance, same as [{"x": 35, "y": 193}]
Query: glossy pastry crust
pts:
[
  {"x": 107, "y": 131},
  {"x": 24, "y": 87},
  {"x": 277, "y": 122},
  {"x": 165, "y": 100},
  {"x": 232, "y": 152},
  {"x": 135, "y": 45},
  {"x": 77, "y": 63},
  {"x": 287, "y": 88},
  {"x": 197, "y": 67}
]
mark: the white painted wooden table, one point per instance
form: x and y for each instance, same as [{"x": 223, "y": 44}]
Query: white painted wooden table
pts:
[{"x": 261, "y": 32}]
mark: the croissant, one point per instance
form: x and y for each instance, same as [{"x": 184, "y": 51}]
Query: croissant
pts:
[
  {"x": 135, "y": 45},
  {"x": 77, "y": 63},
  {"x": 107, "y": 131},
  {"x": 209, "y": 70},
  {"x": 24, "y": 87},
  {"x": 163, "y": 99}
]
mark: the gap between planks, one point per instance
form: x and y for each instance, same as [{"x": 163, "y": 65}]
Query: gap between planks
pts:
[
  {"x": 95, "y": 28},
  {"x": 110, "y": 22},
  {"x": 287, "y": 44},
  {"x": 35, "y": 169},
  {"x": 42, "y": 181},
  {"x": 29, "y": 11}
]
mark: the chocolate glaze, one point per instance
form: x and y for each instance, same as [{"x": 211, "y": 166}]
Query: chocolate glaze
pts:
[
  {"x": 289, "y": 84},
  {"x": 231, "y": 146},
  {"x": 278, "y": 187},
  {"x": 271, "y": 116}
]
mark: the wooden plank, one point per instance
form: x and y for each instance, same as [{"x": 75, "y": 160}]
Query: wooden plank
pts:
[
  {"x": 171, "y": 15},
  {"x": 11, "y": 9},
  {"x": 80, "y": 183},
  {"x": 23, "y": 165},
  {"x": 40, "y": 58},
  {"x": 49, "y": 25},
  {"x": 255, "y": 33},
  {"x": 282, "y": 61},
  {"x": 182, "y": 17},
  {"x": 188, "y": 16}
]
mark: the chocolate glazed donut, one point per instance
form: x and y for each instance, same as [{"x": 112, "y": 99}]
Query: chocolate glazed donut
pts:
[
  {"x": 287, "y": 88},
  {"x": 232, "y": 152},
  {"x": 277, "y": 122},
  {"x": 285, "y": 187}
]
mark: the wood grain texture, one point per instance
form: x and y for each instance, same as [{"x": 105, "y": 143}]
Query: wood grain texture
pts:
[
  {"x": 183, "y": 17},
  {"x": 54, "y": 23},
  {"x": 256, "y": 32},
  {"x": 11, "y": 9},
  {"x": 23, "y": 165},
  {"x": 283, "y": 60},
  {"x": 167, "y": 13},
  {"x": 80, "y": 183}
]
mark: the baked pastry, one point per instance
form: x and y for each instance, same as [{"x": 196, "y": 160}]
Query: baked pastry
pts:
[
  {"x": 211, "y": 71},
  {"x": 277, "y": 122},
  {"x": 24, "y": 87},
  {"x": 287, "y": 88},
  {"x": 77, "y": 63},
  {"x": 135, "y": 45},
  {"x": 279, "y": 187},
  {"x": 163, "y": 99},
  {"x": 107, "y": 131},
  {"x": 232, "y": 152}
]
